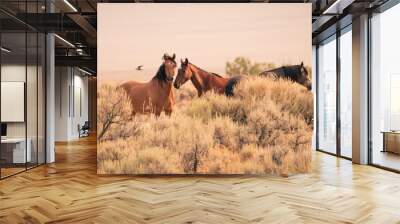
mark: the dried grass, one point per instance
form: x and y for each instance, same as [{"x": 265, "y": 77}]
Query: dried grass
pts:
[{"x": 265, "y": 128}]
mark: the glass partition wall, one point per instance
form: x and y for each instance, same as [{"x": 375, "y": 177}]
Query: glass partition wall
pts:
[
  {"x": 334, "y": 105},
  {"x": 385, "y": 89},
  {"x": 22, "y": 78},
  {"x": 13, "y": 85}
]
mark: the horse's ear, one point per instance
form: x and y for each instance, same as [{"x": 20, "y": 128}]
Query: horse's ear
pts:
[
  {"x": 186, "y": 61},
  {"x": 302, "y": 64},
  {"x": 173, "y": 56}
]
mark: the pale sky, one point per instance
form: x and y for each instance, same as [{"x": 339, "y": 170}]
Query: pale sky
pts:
[{"x": 209, "y": 35}]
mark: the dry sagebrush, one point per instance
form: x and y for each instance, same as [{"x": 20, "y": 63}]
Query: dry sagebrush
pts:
[
  {"x": 114, "y": 110},
  {"x": 265, "y": 128}
]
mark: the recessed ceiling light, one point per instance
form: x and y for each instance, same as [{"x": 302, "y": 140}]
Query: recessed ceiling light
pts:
[
  {"x": 84, "y": 71},
  {"x": 64, "y": 40},
  {"x": 5, "y": 50},
  {"x": 338, "y": 6},
  {"x": 70, "y": 5}
]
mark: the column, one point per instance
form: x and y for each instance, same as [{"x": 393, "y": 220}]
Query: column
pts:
[{"x": 360, "y": 90}]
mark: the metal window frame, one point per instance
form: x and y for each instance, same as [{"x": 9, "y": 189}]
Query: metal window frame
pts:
[
  {"x": 381, "y": 9},
  {"x": 339, "y": 32},
  {"x": 387, "y": 5}
]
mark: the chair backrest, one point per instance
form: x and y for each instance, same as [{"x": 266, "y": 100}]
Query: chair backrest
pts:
[{"x": 86, "y": 125}]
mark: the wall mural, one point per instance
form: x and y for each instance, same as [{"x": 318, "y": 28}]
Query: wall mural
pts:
[{"x": 204, "y": 89}]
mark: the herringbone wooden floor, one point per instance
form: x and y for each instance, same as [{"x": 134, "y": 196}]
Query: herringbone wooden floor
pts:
[{"x": 69, "y": 191}]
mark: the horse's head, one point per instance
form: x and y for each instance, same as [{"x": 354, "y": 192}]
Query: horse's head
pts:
[
  {"x": 169, "y": 66},
  {"x": 303, "y": 77},
  {"x": 184, "y": 74}
]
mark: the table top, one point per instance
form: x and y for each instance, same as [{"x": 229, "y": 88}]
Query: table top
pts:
[
  {"x": 13, "y": 140},
  {"x": 391, "y": 132}
]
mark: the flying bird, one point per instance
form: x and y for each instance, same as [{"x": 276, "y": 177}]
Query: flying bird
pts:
[{"x": 139, "y": 68}]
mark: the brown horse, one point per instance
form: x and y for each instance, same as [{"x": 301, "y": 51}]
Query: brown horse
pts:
[
  {"x": 156, "y": 95},
  {"x": 204, "y": 81}
]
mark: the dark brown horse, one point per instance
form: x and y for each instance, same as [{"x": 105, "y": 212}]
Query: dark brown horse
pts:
[
  {"x": 156, "y": 95},
  {"x": 296, "y": 73},
  {"x": 204, "y": 81}
]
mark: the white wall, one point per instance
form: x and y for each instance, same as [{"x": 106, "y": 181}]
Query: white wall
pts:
[
  {"x": 71, "y": 93},
  {"x": 12, "y": 73},
  {"x": 62, "y": 82},
  {"x": 79, "y": 117}
]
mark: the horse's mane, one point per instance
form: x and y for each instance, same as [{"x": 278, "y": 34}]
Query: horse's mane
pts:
[
  {"x": 216, "y": 74},
  {"x": 211, "y": 73},
  {"x": 293, "y": 70},
  {"x": 288, "y": 70},
  {"x": 292, "y": 67},
  {"x": 161, "y": 75}
]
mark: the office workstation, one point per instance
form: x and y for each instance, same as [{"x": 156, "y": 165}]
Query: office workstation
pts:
[
  {"x": 22, "y": 102},
  {"x": 16, "y": 147}
]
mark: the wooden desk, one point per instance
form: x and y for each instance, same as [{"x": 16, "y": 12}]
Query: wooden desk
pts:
[
  {"x": 391, "y": 141},
  {"x": 13, "y": 150}
]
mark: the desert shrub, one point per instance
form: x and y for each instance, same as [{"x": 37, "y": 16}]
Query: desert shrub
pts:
[
  {"x": 287, "y": 95},
  {"x": 113, "y": 108},
  {"x": 125, "y": 130},
  {"x": 225, "y": 132},
  {"x": 109, "y": 152},
  {"x": 248, "y": 153},
  {"x": 264, "y": 128},
  {"x": 212, "y": 105},
  {"x": 149, "y": 161},
  {"x": 185, "y": 93}
]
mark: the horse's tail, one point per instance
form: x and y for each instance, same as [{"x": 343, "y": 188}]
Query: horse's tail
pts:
[{"x": 232, "y": 82}]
